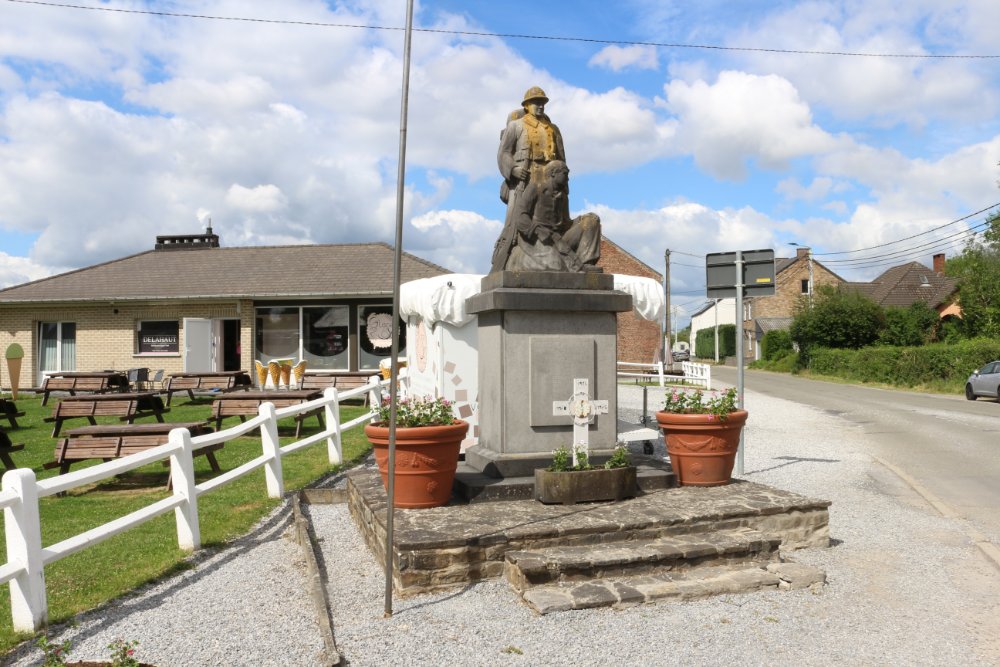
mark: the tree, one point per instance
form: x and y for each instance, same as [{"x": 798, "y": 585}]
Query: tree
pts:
[
  {"x": 776, "y": 344},
  {"x": 977, "y": 270},
  {"x": 838, "y": 320},
  {"x": 913, "y": 325}
]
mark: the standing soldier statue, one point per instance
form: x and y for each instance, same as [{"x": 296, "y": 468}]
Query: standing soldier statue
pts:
[{"x": 538, "y": 234}]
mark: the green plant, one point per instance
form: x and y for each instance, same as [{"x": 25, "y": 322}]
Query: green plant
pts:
[
  {"x": 619, "y": 459},
  {"x": 719, "y": 405},
  {"x": 55, "y": 654},
  {"x": 416, "y": 411},
  {"x": 776, "y": 344},
  {"x": 123, "y": 653},
  {"x": 562, "y": 460}
]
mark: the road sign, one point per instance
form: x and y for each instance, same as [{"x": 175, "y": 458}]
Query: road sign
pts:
[{"x": 758, "y": 274}]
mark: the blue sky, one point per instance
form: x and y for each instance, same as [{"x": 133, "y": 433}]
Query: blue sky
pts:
[{"x": 116, "y": 127}]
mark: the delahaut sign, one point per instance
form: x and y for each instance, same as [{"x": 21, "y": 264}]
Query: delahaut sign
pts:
[{"x": 158, "y": 337}]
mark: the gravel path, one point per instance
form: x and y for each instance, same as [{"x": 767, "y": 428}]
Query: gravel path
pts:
[{"x": 905, "y": 587}]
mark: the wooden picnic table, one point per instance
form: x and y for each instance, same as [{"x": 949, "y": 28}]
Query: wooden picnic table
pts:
[
  {"x": 217, "y": 380},
  {"x": 127, "y": 407},
  {"x": 8, "y": 411},
  {"x": 95, "y": 381},
  {"x": 247, "y": 403},
  {"x": 111, "y": 441}
]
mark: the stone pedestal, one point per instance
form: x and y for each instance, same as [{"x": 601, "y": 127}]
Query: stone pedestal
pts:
[{"x": 537, "y": 333}]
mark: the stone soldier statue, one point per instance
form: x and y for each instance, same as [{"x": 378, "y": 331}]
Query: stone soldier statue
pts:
[{"x": 551, "y": 241}]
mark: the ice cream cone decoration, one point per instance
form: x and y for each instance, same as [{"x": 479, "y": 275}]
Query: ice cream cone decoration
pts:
[
  {"x": 274, "y": 370},
  {"x": 286, "y": 374},
  {"x": 14, "y": 355}
]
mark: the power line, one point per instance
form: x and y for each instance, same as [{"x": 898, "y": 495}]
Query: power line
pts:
[
  {"x": 474, "y": 33},
  {"x": 934, "y": 229},
  {"x": 930, "y": 246}
]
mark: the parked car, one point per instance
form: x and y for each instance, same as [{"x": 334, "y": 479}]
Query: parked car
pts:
[
  {"x": 984, "y": 382},
  {"x": 682, "y": 355}
]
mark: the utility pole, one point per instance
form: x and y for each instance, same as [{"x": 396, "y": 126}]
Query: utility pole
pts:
[
  {"x": 668, "y": 358},
  {"x": 716, "y": 309}
]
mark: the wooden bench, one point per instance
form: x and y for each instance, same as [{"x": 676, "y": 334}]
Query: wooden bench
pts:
[
  {"x": 6, "y": 448},
  {"x": 107, "y": 442},
  {"x": 217, "y": 381},
  {"x": 8, "y": 411},
  {"x": 127, "y": 407},
  {"x": 340, "y": 381},
  {"x": 97, "y": 382},
  {"x": 247, "y": 404}
]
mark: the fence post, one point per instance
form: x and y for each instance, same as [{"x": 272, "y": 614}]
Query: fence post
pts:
[
  {"x": 334, "y": 445},
  {"x": 182, "y": 479},
  {"x": 375, "y": 392},
  {"x": 708, "y": 378},
  {"x": 659, "y": 370},
  {"x": 28, "y": 603},
  {"x": 272, "y": 452}
]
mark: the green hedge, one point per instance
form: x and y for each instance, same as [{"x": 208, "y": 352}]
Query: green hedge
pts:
[
  {"x": 776, "y": 344},
  {"x": 935, "y": 364},
  {"x": 704, "y": 344}
]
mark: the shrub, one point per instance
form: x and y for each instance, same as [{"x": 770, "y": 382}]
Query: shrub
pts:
[
  {"x": 704, "y": 344},
  {"x": 776, "y": 344}
]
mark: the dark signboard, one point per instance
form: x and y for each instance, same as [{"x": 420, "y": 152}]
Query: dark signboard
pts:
[
  {"x": 758, "y": 274},
  {"x": 158, "y": 337}
]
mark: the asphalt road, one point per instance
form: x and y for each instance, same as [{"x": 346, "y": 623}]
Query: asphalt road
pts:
[{"x": 945, "y": 446}]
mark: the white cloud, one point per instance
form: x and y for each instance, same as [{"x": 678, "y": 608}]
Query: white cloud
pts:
[
  {"x": 744, "y": 117},
  {"x": 616, "y": 58},
  {"x": 16, "y": 270},
  {"x": 820, "y": 188},
  {"x": 456, "y": 221},
  {"x": 259, "y": 199}
]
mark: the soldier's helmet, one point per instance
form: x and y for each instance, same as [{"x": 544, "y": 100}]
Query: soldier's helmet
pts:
[{"x": 535, "y": 93}]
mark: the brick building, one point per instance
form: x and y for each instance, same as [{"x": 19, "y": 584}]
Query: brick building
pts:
[
  {"x": 638, "y": 339},
  {"x": 792, "y": 279},
  {"x": 192, "y": 305}
]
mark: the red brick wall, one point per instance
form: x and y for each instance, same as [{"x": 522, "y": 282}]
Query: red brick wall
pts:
[{"x": 638, "y": 339}]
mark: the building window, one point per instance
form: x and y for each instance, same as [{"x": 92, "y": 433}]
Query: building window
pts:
[
  {"x": 57, "y": 348},
  {"x": 805, "y": 286},
  {"x": 375, "y": 336},
  {"x": 158, "y": 337},
  {"x": 317, "y": 334}
]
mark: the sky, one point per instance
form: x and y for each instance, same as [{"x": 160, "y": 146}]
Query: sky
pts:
[{"x": 694, "y": 127}]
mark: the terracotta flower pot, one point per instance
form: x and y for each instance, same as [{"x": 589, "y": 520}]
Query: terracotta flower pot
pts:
[
  {"x": 702, "y": 448},
  {"x": 426, "y": 459}
]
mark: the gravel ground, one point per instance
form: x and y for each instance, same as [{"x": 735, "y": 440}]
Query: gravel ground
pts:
[{"x": 905, "y": 586}]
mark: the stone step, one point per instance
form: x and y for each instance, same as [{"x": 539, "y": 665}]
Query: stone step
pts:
[
  {"x": 737, "y": 547},
  {"x": 621, "y": 592}
]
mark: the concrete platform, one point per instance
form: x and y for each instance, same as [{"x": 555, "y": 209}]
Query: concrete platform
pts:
[{"x": 448, "y": 547}]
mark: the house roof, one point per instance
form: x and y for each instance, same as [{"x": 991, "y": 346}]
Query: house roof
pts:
[
  {"x": 302, "y": 271},
  {"x": 765, "y": 324},
  {"x": 906, "y": 284},
  {"x": 782, "y": 263}
]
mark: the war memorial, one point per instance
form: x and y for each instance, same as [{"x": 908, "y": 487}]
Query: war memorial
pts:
[{"x": 539, "y": 334}]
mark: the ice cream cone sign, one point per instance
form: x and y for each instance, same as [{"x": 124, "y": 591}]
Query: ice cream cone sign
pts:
[{"x": 14, "y": 355}]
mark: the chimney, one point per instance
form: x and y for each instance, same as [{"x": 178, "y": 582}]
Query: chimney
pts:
[
  {"x": 939, "y": 263},
  {"x": 801, "y": 253}
]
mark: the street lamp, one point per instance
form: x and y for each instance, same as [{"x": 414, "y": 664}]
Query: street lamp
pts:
[{"x": 809, "y": 263}]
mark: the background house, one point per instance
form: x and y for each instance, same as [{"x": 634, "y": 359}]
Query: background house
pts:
[
  {"x": 638, "y": 338},
  {"x": 717, "y": 312},
  {"x": 792, "y": 283},
  {"x": 190, "y": 304},
  {"x": 909, "y": 283}
]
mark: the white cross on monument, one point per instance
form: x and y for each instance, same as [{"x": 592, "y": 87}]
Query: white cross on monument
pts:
[{"x": 582, "y": 410}]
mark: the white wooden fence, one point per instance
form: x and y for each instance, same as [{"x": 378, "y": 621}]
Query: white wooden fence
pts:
[
  {"x": 628, "y": 369},
  {"x": 695, "y": 373},
  {"x": 27, "y": 558}
]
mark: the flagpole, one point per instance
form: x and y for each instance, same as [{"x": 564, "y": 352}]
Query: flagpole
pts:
[{"x": 396, "y": 270}]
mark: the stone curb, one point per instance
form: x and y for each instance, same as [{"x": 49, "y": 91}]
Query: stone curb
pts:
[{"x": 307, "y": 541}]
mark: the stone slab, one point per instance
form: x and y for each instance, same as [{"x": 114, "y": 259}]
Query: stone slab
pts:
[
  {"x": 444, "y": 547},
  {"x": 550, "y": 300},
  {"x": 589, "y": 280}
]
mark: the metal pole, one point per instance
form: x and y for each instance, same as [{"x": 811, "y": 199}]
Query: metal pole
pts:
[
  {"x": 716, "y": 310},
  {"x": 739, "y": 352},
  {"x": 809, "y": 261},
  {"x": 396, "y": 270},
  {"x": 667, "y": 360}
]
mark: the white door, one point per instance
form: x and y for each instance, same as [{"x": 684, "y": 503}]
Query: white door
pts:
[{"x": 199, "y": 347}]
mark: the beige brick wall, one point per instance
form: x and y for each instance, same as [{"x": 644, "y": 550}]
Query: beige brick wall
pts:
[
  {"x": 638, "y": 339},
  {"x": 105, "y": 333}
]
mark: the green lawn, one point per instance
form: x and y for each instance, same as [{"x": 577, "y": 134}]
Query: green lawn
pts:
[{"x": 114, "y": 567}]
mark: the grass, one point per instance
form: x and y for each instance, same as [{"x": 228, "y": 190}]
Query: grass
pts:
[{"x": 149, "y": 552}]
